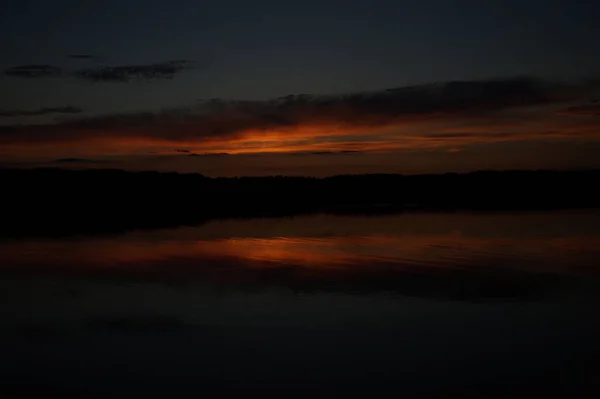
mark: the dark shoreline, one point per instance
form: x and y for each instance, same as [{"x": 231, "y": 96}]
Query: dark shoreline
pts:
[{"x": 62, "y": 202}]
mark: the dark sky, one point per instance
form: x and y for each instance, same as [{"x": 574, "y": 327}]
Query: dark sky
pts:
[{"x": 76, "y": 71}]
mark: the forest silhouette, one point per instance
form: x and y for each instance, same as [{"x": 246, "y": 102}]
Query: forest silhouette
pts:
[{"x": 55, "y": 202}]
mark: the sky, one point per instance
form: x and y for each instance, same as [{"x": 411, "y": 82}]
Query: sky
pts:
[{"x": 235, "y": 87}]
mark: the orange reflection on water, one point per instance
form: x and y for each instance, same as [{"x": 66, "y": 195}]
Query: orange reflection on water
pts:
[
  {"x": 296, "y": 251},
  {"x": 451, "y": 250}
]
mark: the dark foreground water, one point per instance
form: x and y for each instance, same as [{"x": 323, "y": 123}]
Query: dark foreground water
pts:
[{"x": 413, "y": 305}]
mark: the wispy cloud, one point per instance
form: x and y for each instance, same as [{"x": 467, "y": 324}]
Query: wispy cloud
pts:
[
  {"x": 586, "y": 109},
  {"x": 116, "y": 73},
  {"x": 127, "y": 73},
  {"x": 343, "y": 152},
  {"x": 77, "y": 161},
  {"x": 40, "y": 111},
  {"x": 214, "y": 154},
  {"x": 34, "y": 71}
]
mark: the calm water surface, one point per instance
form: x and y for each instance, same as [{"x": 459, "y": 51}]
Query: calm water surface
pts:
[{"x": 419, "y": 305}]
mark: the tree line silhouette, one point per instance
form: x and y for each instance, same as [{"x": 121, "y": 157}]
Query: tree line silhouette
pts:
[{"x": 54, "y": 201}]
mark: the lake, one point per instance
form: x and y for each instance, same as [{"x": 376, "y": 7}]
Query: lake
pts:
[{"x": 412, "y": 305}]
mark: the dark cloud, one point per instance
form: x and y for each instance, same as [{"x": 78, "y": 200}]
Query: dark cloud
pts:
[
  {"x": 76, "y": 160},
  {"x": 41, "y": 111},
  {"x": 182, "y": 150},
  {"x": 210, "y": 154},
  {"x": 343, "y": 152},
  {"x": 127, "y": 73},
  {"x": 217, "y": 119},
  {"x": 119, "y": 73},
  {"x": 384, "y": 107},
  {"x": 450, "y": 135},
  {"x": 34, "y": 71},
  {"x": 340, "y": 152},
  {"x": 588, "y": 109}
]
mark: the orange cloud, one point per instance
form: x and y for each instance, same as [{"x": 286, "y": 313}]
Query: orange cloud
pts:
[{"x": 452, "y": 115}]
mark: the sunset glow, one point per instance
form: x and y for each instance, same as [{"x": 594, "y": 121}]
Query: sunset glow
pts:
[{"x": 408, "y": 120}]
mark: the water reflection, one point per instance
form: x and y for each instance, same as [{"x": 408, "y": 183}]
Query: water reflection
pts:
[
  {"x": 460, "y": 256},
  {"x": 481, "y": 304}
]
